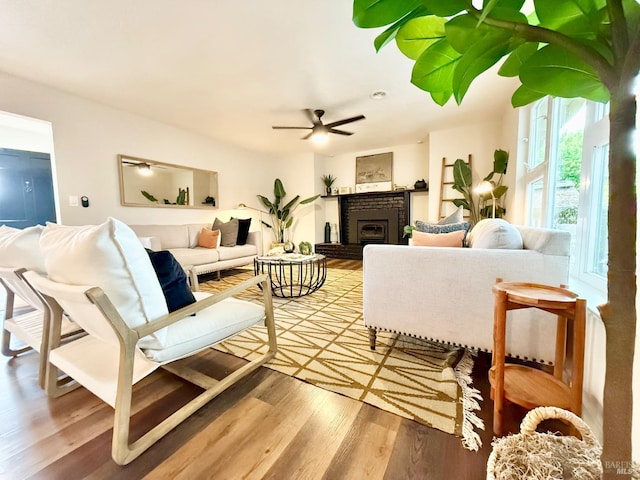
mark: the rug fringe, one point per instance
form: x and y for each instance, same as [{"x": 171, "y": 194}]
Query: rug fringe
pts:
[{"x": 471, "y": 399}]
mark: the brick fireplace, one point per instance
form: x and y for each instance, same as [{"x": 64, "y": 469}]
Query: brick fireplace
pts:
[{"x": 374, "y": 217}]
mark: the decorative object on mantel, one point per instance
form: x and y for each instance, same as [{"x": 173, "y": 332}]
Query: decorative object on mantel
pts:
[
  {"x": 328, "y": 181},
  {"x": 374, "y": 173},
  {"x": 421, "y": 184},
  {"x": 344, "y": 190},
  {"x": 327, "y": 232},
  {"x": 282, "y": 215}
]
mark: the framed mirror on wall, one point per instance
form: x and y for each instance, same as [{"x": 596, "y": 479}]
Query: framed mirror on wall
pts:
[{"x": 148, "y": 183}]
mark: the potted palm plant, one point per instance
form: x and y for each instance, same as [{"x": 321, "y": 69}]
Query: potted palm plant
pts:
[
  {"x": 282, "y": 214},
  {"x": 328, "y": 181}
]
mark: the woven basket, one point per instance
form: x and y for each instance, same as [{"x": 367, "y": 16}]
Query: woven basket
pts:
[{"x": 533, "y": 455}]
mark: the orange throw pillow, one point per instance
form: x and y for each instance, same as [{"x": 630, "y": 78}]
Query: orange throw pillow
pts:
[
  {"x": 452, "y": 239},
  {"x": 208, "y": 238}
]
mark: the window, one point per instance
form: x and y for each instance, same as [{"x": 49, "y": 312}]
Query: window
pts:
[{"x": 567, "y": 179}]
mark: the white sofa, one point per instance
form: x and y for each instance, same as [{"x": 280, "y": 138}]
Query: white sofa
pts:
[
  {"x": 182, "y": 242},
  {"x": 445, "y": 294}
]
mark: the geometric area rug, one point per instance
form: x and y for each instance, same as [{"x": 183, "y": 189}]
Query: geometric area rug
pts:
[{"x": 322, "y": 340}]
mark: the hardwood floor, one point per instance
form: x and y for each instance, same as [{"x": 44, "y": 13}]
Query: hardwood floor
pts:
[{"x": 268, "y": 426}]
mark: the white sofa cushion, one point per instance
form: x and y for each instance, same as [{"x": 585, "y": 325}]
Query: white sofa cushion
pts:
[
  {"x": 207, "y": 327},
  {"x": 239, "y": 251},
  {"x": 170, "y": 236},
  {"x": 21, "y": 248},
  {"x": 195, "y": 256},
  {"x": 109, "y": 256},
  {"x": 494, "y": 233}
]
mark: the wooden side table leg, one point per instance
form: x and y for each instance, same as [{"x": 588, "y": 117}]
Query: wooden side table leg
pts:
[
  {"x": 500, "y": 320},
  {"x": 577, "y": 373}
]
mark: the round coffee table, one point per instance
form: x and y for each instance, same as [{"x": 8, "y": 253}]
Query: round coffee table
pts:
[{"x": 293, "y": 275}]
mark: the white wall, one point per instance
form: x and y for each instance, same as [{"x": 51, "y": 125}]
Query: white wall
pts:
[
  {"x": 89, "y": 136},
  {"x": 410, "y": 163},
  {"x": 479, "y": 140}
]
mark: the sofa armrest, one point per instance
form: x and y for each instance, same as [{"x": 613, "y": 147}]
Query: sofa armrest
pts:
[
  {"x": 445, "y": 294},
  {"x": 255, "y": 238}
]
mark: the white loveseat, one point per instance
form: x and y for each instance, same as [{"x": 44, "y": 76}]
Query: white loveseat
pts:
[
  {"x": 445, "y": 294},
  {"x": 182, "y": 242}
]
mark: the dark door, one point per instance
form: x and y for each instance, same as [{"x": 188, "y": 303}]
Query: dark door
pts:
[{"x": 26, "y": 188}]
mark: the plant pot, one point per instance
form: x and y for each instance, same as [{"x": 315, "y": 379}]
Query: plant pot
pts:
[{"x": 328, "y": 190}]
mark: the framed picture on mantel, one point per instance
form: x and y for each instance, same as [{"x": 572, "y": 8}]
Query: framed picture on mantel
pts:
[{"x": 374, "y": 173}]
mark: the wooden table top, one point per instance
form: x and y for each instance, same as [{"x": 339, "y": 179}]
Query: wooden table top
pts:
[{"x": 534, "y": 293}]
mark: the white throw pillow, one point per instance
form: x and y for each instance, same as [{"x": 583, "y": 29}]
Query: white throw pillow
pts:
[
  {"x": 109, "y": 256},
  {"x": 494, "y": 233},
  {"x": 455, "y": 217},
  {"x": 21, "y": 248}
]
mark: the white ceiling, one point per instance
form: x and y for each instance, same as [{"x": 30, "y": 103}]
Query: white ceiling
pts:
[{"x": 231, "y": 69}]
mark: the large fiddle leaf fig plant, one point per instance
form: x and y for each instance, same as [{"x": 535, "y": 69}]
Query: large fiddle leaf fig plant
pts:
[
  {"x": 565, "y": 48},
  {"x": 282, "y": 213}
]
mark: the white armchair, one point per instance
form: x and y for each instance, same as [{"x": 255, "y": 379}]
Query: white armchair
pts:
[
  {"x": 130, "y": 333},
  {"x": 29, "y": 323}
]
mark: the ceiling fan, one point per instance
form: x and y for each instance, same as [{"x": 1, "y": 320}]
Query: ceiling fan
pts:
[
  {"x": 319, "y": 131},
  {"x": 143, "y": 168}
]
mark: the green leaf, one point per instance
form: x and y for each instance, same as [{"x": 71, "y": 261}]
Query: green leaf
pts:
[
  {"x": 512, "y": 4},
  {"x": 477, "y": 59},
  {"x": 500, "y": 161},
  {"x": 556, "y": 72},
  {"x": 524, "y": 96},
  {"x": 433, "y": 71},
  {"x": 390, "y": 33},
  {"x": 463, "y": 31},
  {"x": 446, "y": 8},
  {"x": 511, "y": 66},
  {"x": 289, "y": 205},
  {"x": 461, "y": 202},
  {"x": 488, "y": 177},
  {"x": 441, "y": 97},
  {"x": 577, "y": 18},
  {"x": 278, "y": 190},
  {"x": 309, "y": 200},
  {"x": 378, "y": 13},
  {"x": 419, "y": 34},
  {"x": 461, "y": 174},
  {"x": 266, "y": 202},
  {"x": 499, "y": 191}
]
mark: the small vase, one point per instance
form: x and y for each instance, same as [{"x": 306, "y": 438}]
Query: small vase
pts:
[
  {"x": 327, "y": 232},
  {"x": 328, "y": 190},
  {"x": 289, "y": 246}
]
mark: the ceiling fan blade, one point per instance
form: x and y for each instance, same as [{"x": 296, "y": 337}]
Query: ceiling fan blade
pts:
[
  {"x": 346, "y": 120},
  {"x": 339, "y": 132},
  {"x": 310, "y": 115},
  {"x": 307, "y": 136},
  {"x": 292, "y": 128}
]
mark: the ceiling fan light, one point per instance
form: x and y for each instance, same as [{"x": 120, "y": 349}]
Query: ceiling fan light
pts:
[{"x": 320, "y": 135}]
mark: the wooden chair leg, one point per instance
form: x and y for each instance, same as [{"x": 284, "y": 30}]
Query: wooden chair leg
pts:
[{"x": 123, "y": 452}]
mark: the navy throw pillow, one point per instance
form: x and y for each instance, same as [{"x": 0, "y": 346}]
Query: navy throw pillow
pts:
[
  {"x": 172, "y": 279},
  {"x": 243, "y": 230}
]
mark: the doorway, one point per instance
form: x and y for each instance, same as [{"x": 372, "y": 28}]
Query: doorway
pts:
[{"x": 26, "y": 188}]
